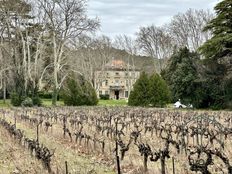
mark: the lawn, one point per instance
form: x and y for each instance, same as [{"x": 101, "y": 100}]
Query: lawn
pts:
[
  {"x": 7, "y": 104},
  {"x": 48, "y": 102},
  {"x": 112, "y": 103},
  {"x": 45, "y": 102}
]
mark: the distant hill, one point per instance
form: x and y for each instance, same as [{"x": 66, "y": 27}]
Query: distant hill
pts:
[{"x": 143, "y": 63}]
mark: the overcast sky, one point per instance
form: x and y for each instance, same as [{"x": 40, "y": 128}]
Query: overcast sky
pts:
[{"x": 126, "y": 16}]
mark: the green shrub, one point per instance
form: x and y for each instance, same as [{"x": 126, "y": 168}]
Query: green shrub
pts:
[
  {"x": 16, "y": 99},
  {"x": 27, "y": 102},
  {"x": 149, "y": 91},
  {"x": 79, "y": 92},
  {"x": 89, "y": 93},
  {"x": 104, "y": 96},
  {"x": 36, "y": 101},
  {"x": 140, "y": 96},
  {"x": 45, "y": 95},
  {"x": 159, "y": 94}
]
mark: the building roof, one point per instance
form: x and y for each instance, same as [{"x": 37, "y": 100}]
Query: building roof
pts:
[{"x": 118, "y": 65}]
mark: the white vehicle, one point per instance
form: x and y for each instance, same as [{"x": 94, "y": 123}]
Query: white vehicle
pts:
[{"x": 179, "y": 105}]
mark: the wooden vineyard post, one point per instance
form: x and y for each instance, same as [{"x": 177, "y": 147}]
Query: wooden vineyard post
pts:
[
  {"x": 64, "y": 125},
  {"x": 145, "y": 157},
  {"x": 103, "y": 146},
  {"x": 4, "y": 115},
  {"x": 201, "y": 124},
  {"x": 162, "y": 161},
  {"x": 116, "y": 144},
  {"x": 173, "y": 165},
  {"x": 197, "y": 131},
  {"x": 94, "y": 142},
  {"x": 37, "y": 133},
  {"x": 15, "y": 121},
  {"x": 66, "y": 167}
]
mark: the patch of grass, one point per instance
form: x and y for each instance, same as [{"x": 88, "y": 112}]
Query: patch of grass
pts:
[
  {"x": 112, "y": 103},
  {"x": 7, "y": 104},
  {"x": 45, "y": 102},
  {"x": 48, "y": 102}
]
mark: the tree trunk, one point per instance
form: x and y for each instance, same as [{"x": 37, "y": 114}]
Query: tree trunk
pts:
[
  {"x": 55, "y": 73},
  {"x": 24, "y": 64},
  {"x": 162, "y": 160},
  {"x": 4, "y": 88},
  {"x": 54, "y": 96}
]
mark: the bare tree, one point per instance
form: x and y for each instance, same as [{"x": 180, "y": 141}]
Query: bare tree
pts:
[
  {"x": 13, "y": 15},
  {"x": 187, "y": 28},
  {"x": 82, "y": 58},
  {"x": 66, "y": 20},
  {"x": 156, "y": 43},
  {"x": 127, "y": 43},
  {"x": 90, "y": 54}
]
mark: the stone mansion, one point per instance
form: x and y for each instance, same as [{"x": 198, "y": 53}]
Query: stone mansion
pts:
[{"x": 116, "y": 79}]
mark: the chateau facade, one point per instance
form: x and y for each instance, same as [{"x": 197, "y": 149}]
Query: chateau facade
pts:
[{"x": 116, "y": 79}]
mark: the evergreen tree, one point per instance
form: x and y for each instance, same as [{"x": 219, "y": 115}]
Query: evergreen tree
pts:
[
  {"x": 220, "y": 44},
  {"x": 140, "y": 94},
  {"x": 218, "y": 56},
  {"x": 89, "y": 95},
  {"x": 151, "y": 91},
  {"x": 72, "y": 93},
  {"x": 181, "y": 75},
  {"x": 79, "y": 92},
  {"x": 158, "y": 91}
]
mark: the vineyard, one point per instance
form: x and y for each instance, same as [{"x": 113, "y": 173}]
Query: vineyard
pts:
[{"x": 115, "y": 140}]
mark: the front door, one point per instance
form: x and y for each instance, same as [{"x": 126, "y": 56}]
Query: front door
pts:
[{"x": 116, "y": 93}]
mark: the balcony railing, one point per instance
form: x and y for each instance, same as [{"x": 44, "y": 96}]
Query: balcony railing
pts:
[{"x": 116, "y": 87}]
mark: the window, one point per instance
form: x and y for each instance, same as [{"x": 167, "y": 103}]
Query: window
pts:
[
  {"x": 126, "y": 73},
  {"x": 127, "y": 83},
  {"x": 117, "y": 82},
  {"x": 100, "y": 92},
  {"x": 106, "y": 92},
  {"x": 106, "y": 83},
  {"x": 126, "y": 94},
  {"x": 116, "y": 73}
]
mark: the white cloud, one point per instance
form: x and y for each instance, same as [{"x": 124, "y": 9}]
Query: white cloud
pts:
[{"x": 126, "y": 16}]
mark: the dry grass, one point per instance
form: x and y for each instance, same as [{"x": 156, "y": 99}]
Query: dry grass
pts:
[
  {"x": 78, "y": 163},
  {"x": 15, "y": 158}
]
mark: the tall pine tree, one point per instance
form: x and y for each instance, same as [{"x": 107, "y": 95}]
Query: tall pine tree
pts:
[{"x": 218, "y": 56}]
